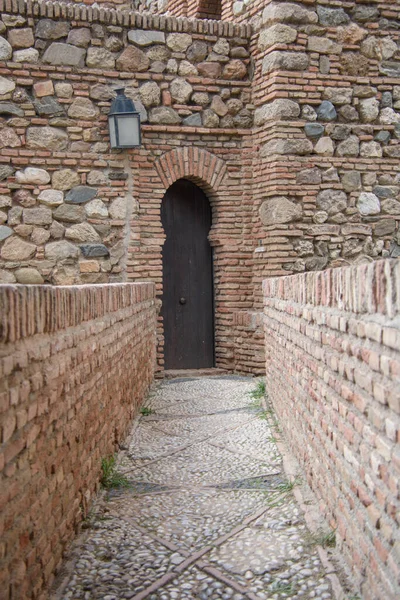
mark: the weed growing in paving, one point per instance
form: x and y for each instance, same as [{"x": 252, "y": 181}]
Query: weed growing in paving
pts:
[
  {"x": 145, "y": 411},
  {"x": 111, "y": 477},
  {"x": 288, "y": 486},
  {"x": 259, "y": 391},
  {"x": 326, "y": 539},
  {"x": 282, "y": 588}
]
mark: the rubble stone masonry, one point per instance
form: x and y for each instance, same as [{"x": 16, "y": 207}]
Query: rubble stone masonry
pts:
[
  {"x": 338, "y": 400},
  {"x": 74, "y": 212},
  {"x": 75, "y": 364},
  {"x": 300, "y": 102}
]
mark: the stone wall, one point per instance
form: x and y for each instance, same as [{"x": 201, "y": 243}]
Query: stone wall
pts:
[
  {"x": 152, "y": 6},
  {"x": 327, "y": 124},
  {"x": 75, "y": 364},
  {"x": 337, "y": 335},
  {"x": 75, "y": 212},
  {"x": 66, "y": 201},
  {"x": 326, "y": 139}
]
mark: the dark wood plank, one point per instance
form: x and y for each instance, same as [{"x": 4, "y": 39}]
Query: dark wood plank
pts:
[{"x": 188, "y": 311}]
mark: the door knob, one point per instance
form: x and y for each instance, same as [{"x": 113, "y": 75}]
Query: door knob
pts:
[{"x": 182, "y": 300}]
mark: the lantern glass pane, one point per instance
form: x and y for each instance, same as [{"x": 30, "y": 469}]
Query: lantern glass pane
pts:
[
  {"x": 111, "y": 126},
  {"x": 128, "y": 130}
]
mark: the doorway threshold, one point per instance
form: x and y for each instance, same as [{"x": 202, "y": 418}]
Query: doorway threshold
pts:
[{"x": 173, "y": 373}]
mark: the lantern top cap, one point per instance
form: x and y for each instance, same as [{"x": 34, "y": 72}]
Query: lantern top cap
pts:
[{"x": 121, "y": 104}]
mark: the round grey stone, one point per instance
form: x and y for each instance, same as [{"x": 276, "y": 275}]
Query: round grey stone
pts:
[
  {"x": 368, "y": 204},
  {"x": 314, "y": 130},
  {"x": 5, "y": 232},
  {"x": 382, "y": 137},
  {"x": 326, "y": 111},
  {"x": 80, "y": 194},
  {"x": 29, "y": 276},
  {"x": 93, "y": 250}
]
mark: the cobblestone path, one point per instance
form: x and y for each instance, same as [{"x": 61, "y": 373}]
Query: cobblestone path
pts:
[{"x": 209, "y": 512}]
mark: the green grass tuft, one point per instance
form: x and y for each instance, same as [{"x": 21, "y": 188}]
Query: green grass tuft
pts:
[
  {"x": 145, "y": 411},
  {"x": 288, "y": 486},
  {"x": 259, "y": 391},
  {"x": 282, "y": 588},
  {"x": 111, "y": 477},
  {"x": 326, "y": 539}
]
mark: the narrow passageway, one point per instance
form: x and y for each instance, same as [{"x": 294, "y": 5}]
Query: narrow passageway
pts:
[{"x": 208, "y": 513}]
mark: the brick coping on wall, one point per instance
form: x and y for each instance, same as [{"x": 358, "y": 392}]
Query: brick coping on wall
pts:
[
  {"x": 112, "y": 16},
  {"x": 45, "y": 308},
  {"x": 360, "y": 289}
]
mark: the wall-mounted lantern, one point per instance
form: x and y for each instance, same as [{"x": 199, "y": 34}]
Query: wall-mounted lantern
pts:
[{"x": 124, "y": 122}]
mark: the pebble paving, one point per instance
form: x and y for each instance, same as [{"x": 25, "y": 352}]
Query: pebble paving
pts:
[{"x": 208, "y": 512}]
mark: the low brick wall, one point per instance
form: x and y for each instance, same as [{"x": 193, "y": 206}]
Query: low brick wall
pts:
[
  {"x": 75, "y": 364},
  {"x": 249, "y": 353},
  {"x": 333, "y": 367}
]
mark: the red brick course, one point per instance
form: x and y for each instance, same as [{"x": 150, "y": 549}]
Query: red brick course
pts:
[
  {"x": 75, "y": 364},
  {"x": 336, "y": 333}
]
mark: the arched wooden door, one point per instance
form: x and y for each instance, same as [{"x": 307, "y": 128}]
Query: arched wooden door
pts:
[{"x": 187, "y": 307}]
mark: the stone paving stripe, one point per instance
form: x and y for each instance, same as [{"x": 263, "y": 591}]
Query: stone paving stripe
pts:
[
  {"x": 155, "y": 586},
  {"x": 240, "y": 528},
  {"x": 192, "y": 559},
  {"x": 156, "y": 538},
  {"x": 255, "y": 515},
  {"x": 331, "y": 574},
  {"x": 217, "y": 574}
]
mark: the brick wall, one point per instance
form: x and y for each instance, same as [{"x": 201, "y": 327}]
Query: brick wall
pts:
[
  {"x": 75, "y": 364},
  {"x": 226, "y": 184},
  {"x": 178, "y": 8},
  {"x": 209, "y": 9},
  {"x": 249, "y": 342},
  {"x": 333, "y": 366}
]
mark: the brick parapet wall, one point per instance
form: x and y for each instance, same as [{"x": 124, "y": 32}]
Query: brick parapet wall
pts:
[
  {"x": 75, "y": 364},
  {"x": 337, "y": 334}
]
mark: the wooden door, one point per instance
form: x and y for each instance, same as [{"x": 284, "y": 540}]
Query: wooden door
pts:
[{"x": 187, "y": 310}]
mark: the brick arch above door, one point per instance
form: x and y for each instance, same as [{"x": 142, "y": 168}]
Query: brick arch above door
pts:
[{"x": 201, "y": 166}]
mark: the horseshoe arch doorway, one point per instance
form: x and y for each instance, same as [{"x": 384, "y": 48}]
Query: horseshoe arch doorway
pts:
[{"x": 188, "y": 295}]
